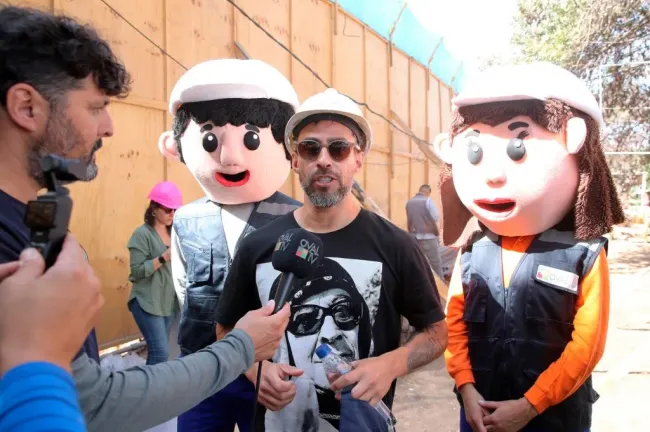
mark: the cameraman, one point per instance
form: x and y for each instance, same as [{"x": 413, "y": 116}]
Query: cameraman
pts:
[{"x": 56, "y": 80}]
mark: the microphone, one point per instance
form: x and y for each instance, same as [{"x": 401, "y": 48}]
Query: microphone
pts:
[{"x": 297, "y": 254}]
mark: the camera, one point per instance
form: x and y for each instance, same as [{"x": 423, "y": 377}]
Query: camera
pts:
[{"x": 48, "y": 216}]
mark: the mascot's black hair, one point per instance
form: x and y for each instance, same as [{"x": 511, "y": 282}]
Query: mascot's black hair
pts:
[{"x": 258, "y": 112}]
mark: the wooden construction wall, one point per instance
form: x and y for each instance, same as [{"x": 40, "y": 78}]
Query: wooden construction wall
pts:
[{"x": 344, "y": 52}]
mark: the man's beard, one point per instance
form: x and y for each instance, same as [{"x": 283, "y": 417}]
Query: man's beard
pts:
[
  {"x": 60, "y": 139},
  {"x": 323, "y": 199}
]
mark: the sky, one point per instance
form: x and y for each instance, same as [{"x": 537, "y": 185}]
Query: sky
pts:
[{"x": 474, "y": 28}]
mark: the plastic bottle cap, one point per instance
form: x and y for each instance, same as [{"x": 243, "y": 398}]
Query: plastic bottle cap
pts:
[{"x": 323, "y": 350}]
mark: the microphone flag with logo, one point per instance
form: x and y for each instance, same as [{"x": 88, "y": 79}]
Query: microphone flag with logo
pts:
[{"x": 297, "y": 254}]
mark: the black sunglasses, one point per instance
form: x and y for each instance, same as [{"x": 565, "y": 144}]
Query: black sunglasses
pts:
[
  {"x": 338, "y": 150},
  {"x": 308, "y": 319}
]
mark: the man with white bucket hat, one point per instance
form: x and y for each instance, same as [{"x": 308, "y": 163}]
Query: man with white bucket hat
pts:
[{"x": 373, "y": 257}]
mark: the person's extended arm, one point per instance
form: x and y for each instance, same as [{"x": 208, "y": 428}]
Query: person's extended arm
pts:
[
  {"x": 145, "y": 396},
  {"x": 581, "y": 355},
  {"x": 425, "y": 346},
  {"x": 39, "y": 396}
]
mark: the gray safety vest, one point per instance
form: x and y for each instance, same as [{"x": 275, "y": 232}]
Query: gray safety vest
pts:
[{"x": 202, "y": 240}]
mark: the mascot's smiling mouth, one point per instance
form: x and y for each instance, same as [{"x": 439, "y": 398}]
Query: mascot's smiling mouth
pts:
[
  {"x": 501, "y": 206},
  {"x": 233, "y": 180}
]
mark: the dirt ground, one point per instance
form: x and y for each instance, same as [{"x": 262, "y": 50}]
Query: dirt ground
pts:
[{"x": 425, "y": 401}]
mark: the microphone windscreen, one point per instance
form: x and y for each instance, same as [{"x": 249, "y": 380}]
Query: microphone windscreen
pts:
[{"x": 297, "y": 251}]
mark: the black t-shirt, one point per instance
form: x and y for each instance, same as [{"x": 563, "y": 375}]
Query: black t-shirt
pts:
[
  {"x": 372, "y": 274},
  {"x": 14, "y": 238}
]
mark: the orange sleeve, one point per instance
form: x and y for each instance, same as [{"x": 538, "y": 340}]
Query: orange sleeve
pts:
[
  {"x": 564, "y": 376},
  {"x": 457, "y": 353}
]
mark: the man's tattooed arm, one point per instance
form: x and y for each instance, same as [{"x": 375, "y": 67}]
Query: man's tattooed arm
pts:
[{"x": 426, "y": 345}]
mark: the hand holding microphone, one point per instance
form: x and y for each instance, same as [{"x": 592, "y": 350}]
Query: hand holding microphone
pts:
[{"x": 265, "y": 329}]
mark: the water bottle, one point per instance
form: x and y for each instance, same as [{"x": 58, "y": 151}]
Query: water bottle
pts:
[{"x": 333, "y": 363}]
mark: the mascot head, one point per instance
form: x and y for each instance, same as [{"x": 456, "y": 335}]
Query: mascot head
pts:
[
  {"x": 524, "y": 155},
  {"x": 228, "y": 128}
]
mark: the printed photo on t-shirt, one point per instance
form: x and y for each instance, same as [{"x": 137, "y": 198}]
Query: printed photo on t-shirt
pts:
[{"x": 336, "y": 305}]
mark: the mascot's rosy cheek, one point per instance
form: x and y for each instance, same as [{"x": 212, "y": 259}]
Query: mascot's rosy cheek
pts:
[{"x": 516, "y": 188}]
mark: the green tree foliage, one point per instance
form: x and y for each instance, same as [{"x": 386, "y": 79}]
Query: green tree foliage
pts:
[{"x": 588, "y": 37}]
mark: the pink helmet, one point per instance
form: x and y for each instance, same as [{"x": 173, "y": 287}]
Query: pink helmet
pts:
[{"x": 166, "y": 194}]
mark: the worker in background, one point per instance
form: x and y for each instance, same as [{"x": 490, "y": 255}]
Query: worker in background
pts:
[{"x": 422, "y": 217}]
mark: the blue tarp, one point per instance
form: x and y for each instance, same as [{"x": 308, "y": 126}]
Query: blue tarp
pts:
[{"x": 409, "y": 36}]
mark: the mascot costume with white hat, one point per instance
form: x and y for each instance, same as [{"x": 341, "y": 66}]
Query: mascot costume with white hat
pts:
[
  {"x": 527, "y": 195},
  {"x": 228, "y": 129}
]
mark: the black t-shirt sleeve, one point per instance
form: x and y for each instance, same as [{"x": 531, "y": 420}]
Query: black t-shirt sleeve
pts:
[
  {"x": 240, "y": 290},
  {"x": 420, "y": 302}
]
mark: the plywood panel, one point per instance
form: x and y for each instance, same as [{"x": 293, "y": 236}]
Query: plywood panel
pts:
[
  {"x": 348, "y": 64},
  {"x": 399, "y": 97},
  {"x": 312, "y": 42},
  {"x": 45, "y": 5},
  {"x": 399, "y": 191},
  {"x": 418, "y": 100},
  {"x": 143, "y": 60},
  {"x": 418, "y": 177},
  {"x": 445, "y": 107},
  {"x": 348, "y": 72},
  {"x": 377, "y": 88},
  {"x": 433, "y": 107},
  {"x": 378, "y": 179},
  {"x": 273, "y": 16},
  {"x": 110, "y": 208},
  {"x": 196, "y": 31}
]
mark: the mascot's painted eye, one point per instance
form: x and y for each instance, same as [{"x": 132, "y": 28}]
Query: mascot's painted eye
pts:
[
  {"x": 516, "y": 149},
  {"x": 251, "y": 140},
  {"x": 210, "y": 142},
  {"x": 474, "y": 152}
]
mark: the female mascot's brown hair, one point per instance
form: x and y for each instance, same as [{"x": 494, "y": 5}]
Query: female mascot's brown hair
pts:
[{"x": 597, "y": 207}]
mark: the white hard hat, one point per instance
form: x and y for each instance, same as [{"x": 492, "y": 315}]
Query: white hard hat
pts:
[
  {"x": 232, "y": 78},
  {"x": 329, "y": 101},
  {"x": 538, "y": 80}
]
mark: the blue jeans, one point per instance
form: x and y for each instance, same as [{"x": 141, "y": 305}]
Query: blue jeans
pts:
[
  {"x": 465, "y": 427},
  {"x": 155, "y": 330},
  {"x": 220, "y": 412},
  {"x": 359, "y": 416}
]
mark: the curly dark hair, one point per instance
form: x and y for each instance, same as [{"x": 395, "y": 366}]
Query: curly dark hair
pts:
[
  {"x": 258, "y": 112},
  {"x": 53, "y": 54}
]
